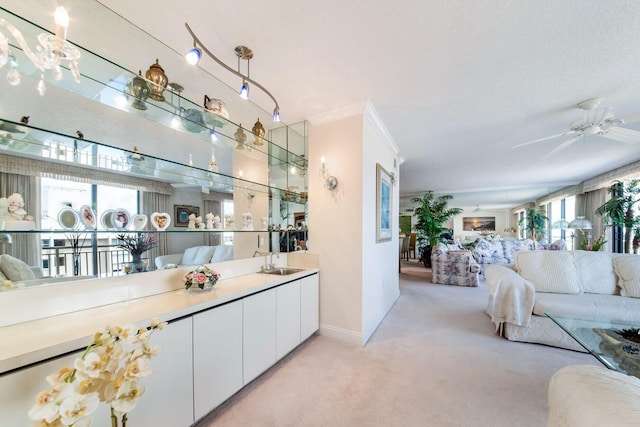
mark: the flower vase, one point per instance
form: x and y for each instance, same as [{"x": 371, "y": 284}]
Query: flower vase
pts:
[
  {"x": 76, "y": 263},
  {"x": 137, "y": 265}
]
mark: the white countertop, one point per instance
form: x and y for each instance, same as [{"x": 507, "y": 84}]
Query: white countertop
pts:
[{"x": 30, "y": 342}]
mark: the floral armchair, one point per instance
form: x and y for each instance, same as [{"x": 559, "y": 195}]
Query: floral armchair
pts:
[{"x": 452, "y": 266}]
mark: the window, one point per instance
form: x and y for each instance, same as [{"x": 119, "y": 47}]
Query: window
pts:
[{"x": 96, "y": 254}]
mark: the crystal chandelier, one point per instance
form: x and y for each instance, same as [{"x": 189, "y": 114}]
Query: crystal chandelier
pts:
[{"x": 49, "y": 55}]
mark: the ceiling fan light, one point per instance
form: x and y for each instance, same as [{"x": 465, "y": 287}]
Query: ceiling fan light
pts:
[{"x": 193, "y": 56}]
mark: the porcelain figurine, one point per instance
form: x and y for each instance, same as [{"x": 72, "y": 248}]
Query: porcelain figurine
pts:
[
  {"x": 209, "y": 218},
  {"x": 247, "y": 220},
  {"x": 192, "y": 222},
  {"x": 16, "y": 209}
]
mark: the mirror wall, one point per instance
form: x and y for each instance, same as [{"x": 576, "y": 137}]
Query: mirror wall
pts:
[{"x": 264, "y": 177}]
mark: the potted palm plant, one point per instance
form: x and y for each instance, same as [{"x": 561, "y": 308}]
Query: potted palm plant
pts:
[
  {"x": 432, "y": 212},
  {"x": 620, "y": 209},
  {"x": 534, "y": 222}
]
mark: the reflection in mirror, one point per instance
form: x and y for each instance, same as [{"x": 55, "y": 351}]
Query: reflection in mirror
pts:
[{"x": 133, "y": 160}]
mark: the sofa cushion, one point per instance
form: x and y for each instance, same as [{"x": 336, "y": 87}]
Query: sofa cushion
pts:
[
  {"x": 549, "y": 271},
  {"x": 627, "y": 268},
  {"x": 596, "y": 272},
  {"x": 510, "y": 247},
  {"x": 484, "y": 248},
  {"x": 588, "y": 306},
  {"x": 15, "y": 269},
  {"x": 197, "y": 255},
  {"x": 222, "y": 253}
]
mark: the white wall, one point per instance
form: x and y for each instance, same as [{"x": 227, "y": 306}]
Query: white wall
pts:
[
  {"x": 380, "y": 284},
  {"x": 359, "y": 278}
]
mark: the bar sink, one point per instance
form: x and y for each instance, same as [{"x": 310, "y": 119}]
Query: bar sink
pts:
[{"x": 282, "y": 271}]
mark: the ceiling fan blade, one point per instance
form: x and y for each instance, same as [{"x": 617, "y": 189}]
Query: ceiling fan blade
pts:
[
  {"x": 562, "y": 146},
  {"x": 627, "y": 136},
  {"x": 535, "y": 141}
]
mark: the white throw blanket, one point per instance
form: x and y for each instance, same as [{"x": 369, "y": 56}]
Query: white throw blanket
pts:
[{"x": 511, "y": 297}]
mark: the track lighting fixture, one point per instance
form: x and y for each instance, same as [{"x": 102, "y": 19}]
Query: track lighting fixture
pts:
[
  {"x": 243, "y": 53},
  {"x": 193, "y": 56}
]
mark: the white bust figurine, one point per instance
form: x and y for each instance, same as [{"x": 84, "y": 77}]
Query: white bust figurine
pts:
[
  {"x": 216, "y": 222},
  {"x": 16, "y": 209},
  {"x": 192, "y": 222},
  {"x": 209, "y": 217}
]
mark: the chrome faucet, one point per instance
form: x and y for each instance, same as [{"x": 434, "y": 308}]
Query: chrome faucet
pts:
[{"x": 270, "y": 265}]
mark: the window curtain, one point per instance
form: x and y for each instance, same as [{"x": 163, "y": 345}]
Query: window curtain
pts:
[
  {"x": 215, "y": 207},
  {"x": 586, "y": 205},
  {"x": 24, "y": 246},
  {"x": 155, "y": 202}
]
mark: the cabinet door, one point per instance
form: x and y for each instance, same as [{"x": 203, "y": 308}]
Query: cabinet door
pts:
[
  {"x": 217, "y": 356},
  {"x": 259, "y": 334},
  {"x": 288, "y": 317},
  {"x": 309, "y": 306},
  {"x": 168, "y": 400}
]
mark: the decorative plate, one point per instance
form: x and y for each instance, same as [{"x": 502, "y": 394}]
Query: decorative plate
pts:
[
  {"x": 68, "y": 219},
  {"x": 140, "y": 221},
  {"x": 160, "y": 221},
  {"x": 87, "y": 217},
  {"x": 120, "y": 219}
]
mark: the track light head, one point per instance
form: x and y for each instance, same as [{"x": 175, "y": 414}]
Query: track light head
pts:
[
  {"x": 276, "y": 114},
  {"x": 244, "y": 90},
  {"x": 193, "y": 56}
]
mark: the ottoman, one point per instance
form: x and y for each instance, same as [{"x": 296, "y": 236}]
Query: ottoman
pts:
[{"x": 589, "y": 396}]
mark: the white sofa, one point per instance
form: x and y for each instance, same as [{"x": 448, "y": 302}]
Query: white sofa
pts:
[
  {"x": 14, "y": 273},
  {"x": 195, "y": 256},
  {"x": 596, "y": 285},
  {"x": 593, "y": 396}
]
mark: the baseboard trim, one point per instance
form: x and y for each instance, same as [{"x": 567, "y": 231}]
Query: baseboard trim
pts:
[{"x": 340, "y": 334}]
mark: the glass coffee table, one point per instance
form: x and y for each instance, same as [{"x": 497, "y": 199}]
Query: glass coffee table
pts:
[{"x": 602, "y": 340}]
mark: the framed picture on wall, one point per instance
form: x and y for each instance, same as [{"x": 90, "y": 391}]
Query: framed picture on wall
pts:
[
  {"x": 182, "y": 213},
  {"x": 479, "y": 223},
  {"x": 384, "y": 197}
]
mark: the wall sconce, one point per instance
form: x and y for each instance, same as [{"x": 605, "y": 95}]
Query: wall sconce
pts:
[
  {"x": 52, "y": 50},
  {"x": 242, "y": 52},
  {"x": 330, "y": 181}
]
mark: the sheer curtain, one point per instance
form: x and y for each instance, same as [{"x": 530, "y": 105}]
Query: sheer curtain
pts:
[
  {"x": 155, "y": 202},
  {"x": 215, "y": 207},
  {"x": 24, "y": 246},
  {"x": 586, "y": 205}
]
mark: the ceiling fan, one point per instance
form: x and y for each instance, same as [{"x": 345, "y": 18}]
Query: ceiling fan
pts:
[{"x": 596, "y": 120}]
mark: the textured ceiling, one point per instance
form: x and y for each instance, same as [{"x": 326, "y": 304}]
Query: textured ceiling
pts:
[{"x": 457, "y": 83}]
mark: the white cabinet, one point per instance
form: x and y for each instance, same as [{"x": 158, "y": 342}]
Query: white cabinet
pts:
[
  {"x": 217, "y": 356},
  {"x": 259, "y": 334},
  {"x": 309, "y": 306},
  {"x": 288, "y": 318},
  {"x": 168, "y": 400}
]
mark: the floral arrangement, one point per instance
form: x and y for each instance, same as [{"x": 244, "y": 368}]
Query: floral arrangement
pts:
[
  {"x": 596, "y": 245},
  {"x": 108, "y": 371},
  {"x": 136, "y": 244},
  {"x": 201, "y": 277}
]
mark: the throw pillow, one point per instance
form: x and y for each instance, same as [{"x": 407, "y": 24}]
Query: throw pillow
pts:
[
  {"x": 197, "y": 255},
  {"x": 627, "y": 268},
  {"x": 484, "y": 248},
  {"x": 15, "y": 269},
  {"x": 596, "y": 272},
  {"x": 549, "y": 271}
]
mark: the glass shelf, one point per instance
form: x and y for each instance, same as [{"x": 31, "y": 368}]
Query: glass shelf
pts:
[{"x": 28, "y": 141}]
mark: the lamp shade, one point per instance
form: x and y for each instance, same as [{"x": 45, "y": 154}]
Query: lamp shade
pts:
[
  {"x": 581, "y": 223},
  {"x": 561, "y": 224}
]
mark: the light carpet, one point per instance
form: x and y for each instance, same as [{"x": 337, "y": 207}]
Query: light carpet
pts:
[{"x": 434, "y": 361}]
